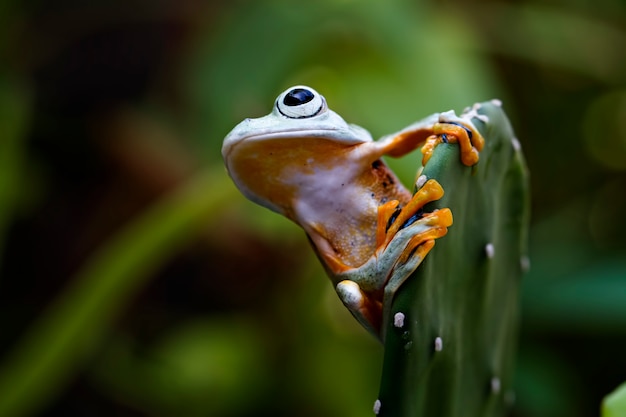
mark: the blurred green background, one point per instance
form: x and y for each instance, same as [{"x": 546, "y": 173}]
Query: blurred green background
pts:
[{"x": 136, "y": 281}]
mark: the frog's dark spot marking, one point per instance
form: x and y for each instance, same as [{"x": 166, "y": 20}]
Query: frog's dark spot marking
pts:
[
  {"x": 383, "y": 200},
  {"x": 376, "y": 164},
  {"x": 469, "y": 132},
  {"x": 415, "y": 217},
  {"x": 393, "y": 218},
  {"x": 390, "y": 179},
  {"x": 372, "y": 195},
  {"x": 418, "y": 215},
  {"x": 385, "y": 184},
  {"x": 297, "y": 97},
  {"x": 342, "y": 184}
]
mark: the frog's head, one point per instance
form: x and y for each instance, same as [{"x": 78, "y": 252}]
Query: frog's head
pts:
[{"x": 265, "y": 163}]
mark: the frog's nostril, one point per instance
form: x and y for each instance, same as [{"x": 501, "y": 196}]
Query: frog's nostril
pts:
[{"x": 298, "y": 96}]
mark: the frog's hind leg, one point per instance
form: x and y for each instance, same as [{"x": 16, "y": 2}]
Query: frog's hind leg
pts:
[
  {"x": 430, "y": 191},
  {"x": 404, "y": 252},
  {"x": 421, "y": 237},
  {"x": 404, "y": 236},
  {"x": 417, "y": 239}
]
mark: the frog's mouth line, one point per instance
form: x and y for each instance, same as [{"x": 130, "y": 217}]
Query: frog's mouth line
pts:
[{"x": 344, "y": 136}]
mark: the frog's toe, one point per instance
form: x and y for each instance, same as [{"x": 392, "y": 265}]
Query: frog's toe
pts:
[
  {"x": 410, "y": 245},
  {"x": 431, "y": 190},
  {"x": 408, "y": 262},
  {"x": 453, "y": 129},
  {"x": 387, "y": 213},
  {"x": 420, "y": 244}
]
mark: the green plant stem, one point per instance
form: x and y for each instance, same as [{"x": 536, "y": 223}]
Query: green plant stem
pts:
[
  {"x": 452, "y": 354},
  {"x": 614, "y": 404}
]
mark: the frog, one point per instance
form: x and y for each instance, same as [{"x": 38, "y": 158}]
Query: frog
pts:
[{"x": 305, "y": 162}]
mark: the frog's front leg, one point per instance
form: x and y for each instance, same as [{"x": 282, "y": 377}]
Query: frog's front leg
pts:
[
  {"x": 404, "y": 238},
  {"x": 439, "y": 128}
]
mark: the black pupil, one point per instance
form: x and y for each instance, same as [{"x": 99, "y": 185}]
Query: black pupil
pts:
[{"x": 297, "y": 97}]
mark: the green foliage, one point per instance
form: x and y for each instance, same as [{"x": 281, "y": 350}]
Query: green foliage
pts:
[
  {"x": 614, "y": 405},
  {"x": 79, "y": 319},
  {"x": 453, "y": 353}
]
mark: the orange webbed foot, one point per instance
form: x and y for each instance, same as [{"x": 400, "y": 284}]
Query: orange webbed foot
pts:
[
  {"x": 392, "y": 219},
  {"x": 454, "y": 131}
]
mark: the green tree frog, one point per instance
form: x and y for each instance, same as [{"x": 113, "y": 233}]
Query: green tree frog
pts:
[{"x": 305, "y": 162}]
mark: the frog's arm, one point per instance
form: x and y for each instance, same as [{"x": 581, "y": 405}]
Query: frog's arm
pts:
[{"x": 435, "y": 129}]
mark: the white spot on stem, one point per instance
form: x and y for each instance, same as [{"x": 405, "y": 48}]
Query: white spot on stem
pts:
[
  {"x": 516, "y": 144},
  {"x": 421, "y": 180},
  {"x": 438, "y": 344},
  {"x": 496, "y": 102},
  {"x": 489, "y": 250},
  {"x": 377, "y": 405},
  {"x": 524, "y": 263},
  {"x": 495, "y": 385},
  {"x": 398, "y": 320}
]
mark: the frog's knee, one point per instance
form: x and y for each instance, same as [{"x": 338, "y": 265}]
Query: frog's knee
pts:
[
  {"x": 350, "y": 294},
  {"x": 365, "y": 309}
]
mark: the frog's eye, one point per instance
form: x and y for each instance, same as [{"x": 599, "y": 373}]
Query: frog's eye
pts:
[{"x": 300, "y": 102}]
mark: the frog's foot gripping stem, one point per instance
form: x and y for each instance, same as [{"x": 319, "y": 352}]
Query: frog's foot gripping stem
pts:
[
  {"x": 404, "y": 237},
  {"x": 439, "y": 128},
  {"x": 453, "y": 129}
]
